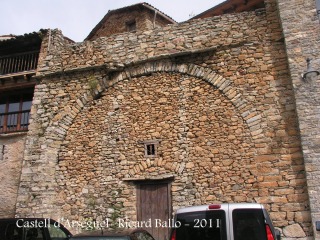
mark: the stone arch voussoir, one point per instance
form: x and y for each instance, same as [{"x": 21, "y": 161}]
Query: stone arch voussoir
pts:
[
  {"x": 143, "y": 166},
  {"x": 249, "y": 114}
]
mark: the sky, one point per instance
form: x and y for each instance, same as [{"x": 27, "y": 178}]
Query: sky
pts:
[{"x": 76, "y": 18}]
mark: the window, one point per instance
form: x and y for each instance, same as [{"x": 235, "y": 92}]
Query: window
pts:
[
  {"x": 150, "y": 148},
  {"x": 15, "y": 110},
  {"x": 13, "y": 231},
  {"x": 56, "y": 232},
  {"x": 205, "y": 225},
  {"x": 131, "y": 26},
  {"x": 35, "y": 233},
  {"x": 249, "y": 224},
  {"x": 143, "y": 236}
]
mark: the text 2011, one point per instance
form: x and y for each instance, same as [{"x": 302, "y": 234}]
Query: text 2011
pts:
[{"x": 207, "y": 223}]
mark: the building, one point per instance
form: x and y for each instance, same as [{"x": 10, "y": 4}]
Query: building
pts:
[
  {"x": 232, "y": 6},
  {"x": 18, "y": 64},
  {"x": 137, "y": 17},
  {"x": 135, "y": 124}
]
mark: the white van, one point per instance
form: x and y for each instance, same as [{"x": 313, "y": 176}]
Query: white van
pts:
[{"x": 227, "y": 221}]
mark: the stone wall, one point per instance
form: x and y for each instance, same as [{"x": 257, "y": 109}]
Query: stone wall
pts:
[
  {"x": 11, "y": 157},
  {"x": 301, "y": 30},
  {"x": 104, "y": 145},
  {"x": 219, "y": 100},
  {"x": 186, "y": 38}
]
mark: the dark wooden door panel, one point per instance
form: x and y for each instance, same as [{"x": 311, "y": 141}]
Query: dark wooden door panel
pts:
[{"x": 154, "y": 203}]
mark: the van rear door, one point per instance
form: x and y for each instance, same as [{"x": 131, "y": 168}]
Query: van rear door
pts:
[{"x": 204, "y": 224}]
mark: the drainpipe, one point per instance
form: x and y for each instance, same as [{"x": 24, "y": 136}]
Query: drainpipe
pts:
[
  {"x": 318, "y": 9},
  {"x": 154, "y": 18},
  {"x": 49, "y": 40}
]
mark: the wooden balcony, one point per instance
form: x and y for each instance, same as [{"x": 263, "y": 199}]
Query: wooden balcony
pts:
[
  {"x": 18, "y": 64},
  {"x": 14, "y": 121}
]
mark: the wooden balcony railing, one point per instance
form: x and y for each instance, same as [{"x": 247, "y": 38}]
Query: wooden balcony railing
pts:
[
  {"x": 14, "y": 121},
  {"x": 18, "y": 63}
]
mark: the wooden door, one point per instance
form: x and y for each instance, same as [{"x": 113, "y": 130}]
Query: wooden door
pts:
[{"x": 154, "y": 205}]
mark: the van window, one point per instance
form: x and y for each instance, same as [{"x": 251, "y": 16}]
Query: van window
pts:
[
  {"x": 35, "y": 233},
  {"x": 13, "y": 232},
  {"x": 249, "y": 224},
  {"x": 204, "y": 225},
  {"x": 56, "y": 233}
]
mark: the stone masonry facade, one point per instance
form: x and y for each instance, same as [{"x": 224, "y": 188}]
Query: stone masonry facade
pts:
[
  {"x": 217, "y": 96},
  {"x": 11, "y": 158}
]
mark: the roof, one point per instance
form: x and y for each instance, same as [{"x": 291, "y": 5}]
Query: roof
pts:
[
  {"x": 143, "y": 4},
  {"x": 6, "y": 37},
  {"x": 231, "y": 6},
  {"x": 23, "y": 43}
]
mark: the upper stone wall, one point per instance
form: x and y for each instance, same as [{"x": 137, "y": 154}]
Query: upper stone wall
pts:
[{"x": 125, "y": 49}]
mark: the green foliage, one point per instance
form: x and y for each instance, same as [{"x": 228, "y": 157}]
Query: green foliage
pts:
[{"x": 93, "y": 83}]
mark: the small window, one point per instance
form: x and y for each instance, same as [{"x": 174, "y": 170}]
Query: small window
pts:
[
  {"x": 131, "y": 26},
  {"x": 150, "y": 148}
]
